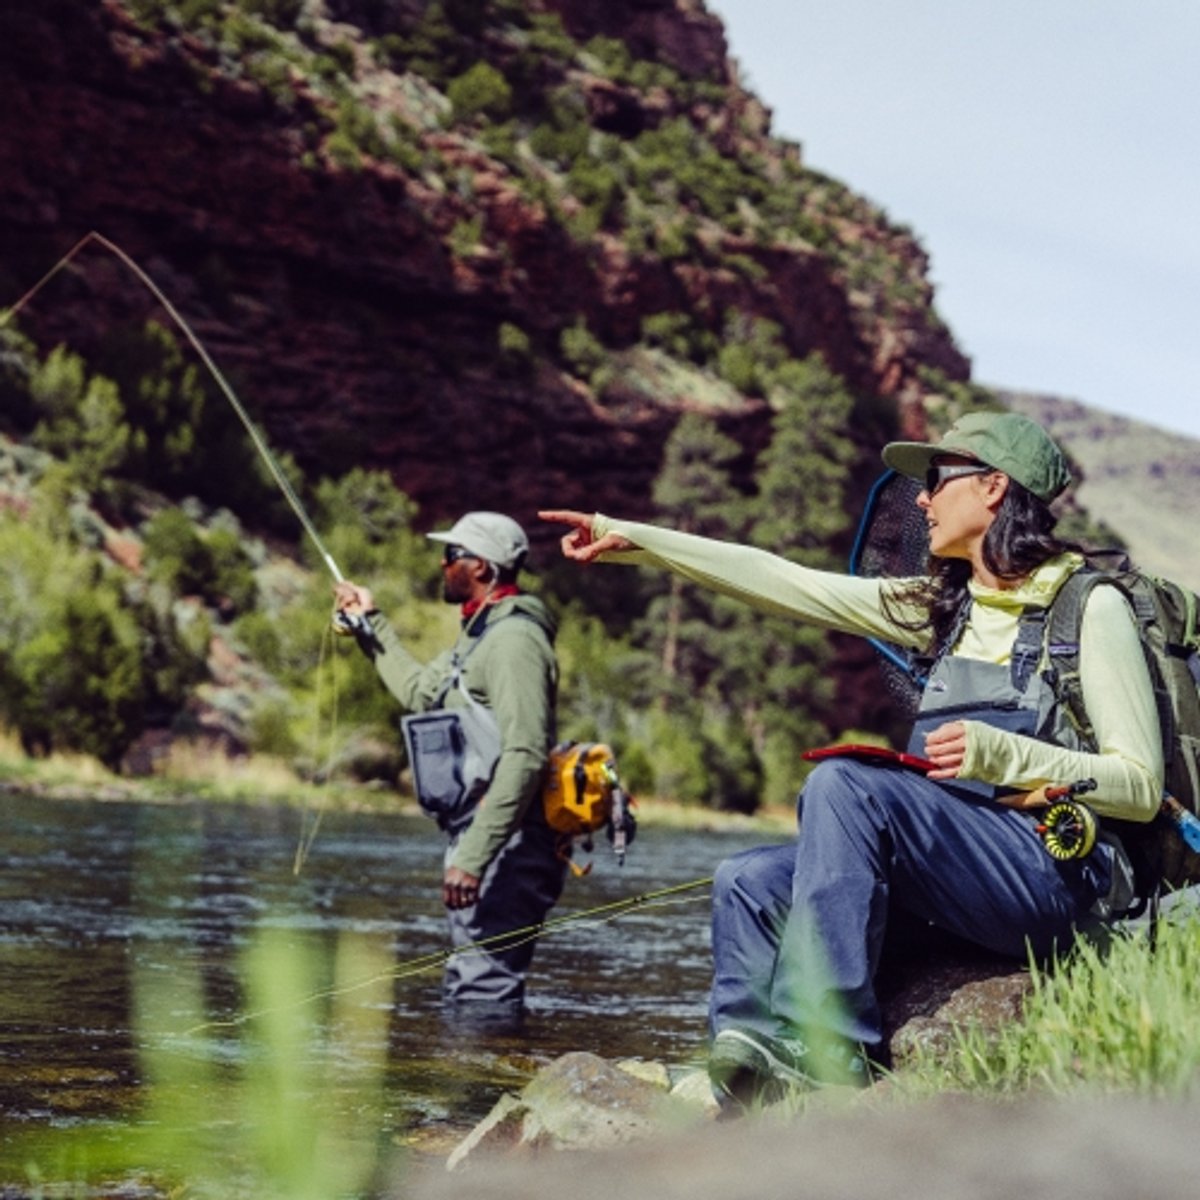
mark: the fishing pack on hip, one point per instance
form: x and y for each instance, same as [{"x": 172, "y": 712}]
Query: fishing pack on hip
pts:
[
  {"x": 453, "y": 753},
  {"x": 583, "y": 794}
]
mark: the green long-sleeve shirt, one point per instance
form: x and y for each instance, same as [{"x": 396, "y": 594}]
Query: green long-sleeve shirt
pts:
[
  {"x": 509, "y": 667},
  {"x": 1117, "y": 692}
]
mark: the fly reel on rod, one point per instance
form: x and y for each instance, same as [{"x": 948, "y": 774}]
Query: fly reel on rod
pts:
[
  {"x": 348, "y": 624},
  {"x": 1068, "y": 829}
]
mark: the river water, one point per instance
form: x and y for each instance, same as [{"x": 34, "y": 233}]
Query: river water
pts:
[{"x": 165, "y": 971}]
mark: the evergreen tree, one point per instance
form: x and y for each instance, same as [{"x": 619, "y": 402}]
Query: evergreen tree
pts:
[
  {"x": 186, "y": 439},
  {"x": 694, "y": 494},
  {"x": 698, "y": 750},
  {"x": 81, "y": 666},
  {"x": 798, "y": 512},
  {"x": 802, "y": 474}
]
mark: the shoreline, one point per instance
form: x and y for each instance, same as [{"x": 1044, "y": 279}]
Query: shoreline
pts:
[{"x": 55, "y": 783}]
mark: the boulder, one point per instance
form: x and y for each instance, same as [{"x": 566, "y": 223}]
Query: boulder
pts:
[
  {"x": 579, "y": 1102},
  {"x": 926, "y": 1001}
]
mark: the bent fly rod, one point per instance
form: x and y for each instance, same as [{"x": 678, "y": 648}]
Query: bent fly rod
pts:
[
  {"x": 256, "y": 437},
  {"x": 343, "y": 623}
]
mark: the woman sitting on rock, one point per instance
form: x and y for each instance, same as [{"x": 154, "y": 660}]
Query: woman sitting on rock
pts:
[{"x": 798, "y": 929}]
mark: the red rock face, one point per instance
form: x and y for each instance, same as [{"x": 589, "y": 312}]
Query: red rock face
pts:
[
  {"x": 680, "y": 34},
  {"x": 331, "y": 296}
]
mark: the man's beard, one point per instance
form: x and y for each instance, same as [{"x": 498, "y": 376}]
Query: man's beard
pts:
[{"x": 452, "y": 594}]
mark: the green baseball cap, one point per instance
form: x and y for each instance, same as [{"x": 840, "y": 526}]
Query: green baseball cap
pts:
[{"x": 1011, "y": 443}]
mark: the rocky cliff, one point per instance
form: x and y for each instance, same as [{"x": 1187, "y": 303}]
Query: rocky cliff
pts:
[{"x": 388, "y": 273}]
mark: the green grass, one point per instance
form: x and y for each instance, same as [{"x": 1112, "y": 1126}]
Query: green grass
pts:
[
  {"x": 241, "y": 1108},
  {"x": 1115, "y": 1019},
  {"x": 1109, "y": 1019}
]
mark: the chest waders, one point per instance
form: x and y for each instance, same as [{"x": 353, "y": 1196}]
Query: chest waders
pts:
[
  {"x": 1017, "y": 699},
  {"x": 453, "y": 752}
]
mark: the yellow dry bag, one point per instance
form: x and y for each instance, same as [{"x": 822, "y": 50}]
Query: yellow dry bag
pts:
[
  {"x": 579, "y": 787},
  {"x": 583, "y": 793}
]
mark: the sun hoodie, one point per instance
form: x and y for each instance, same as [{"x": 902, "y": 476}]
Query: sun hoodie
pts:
[{"x": 1117, "y": 692}]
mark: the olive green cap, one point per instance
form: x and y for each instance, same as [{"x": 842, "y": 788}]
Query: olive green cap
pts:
[{"x": 1011, "y": 443}]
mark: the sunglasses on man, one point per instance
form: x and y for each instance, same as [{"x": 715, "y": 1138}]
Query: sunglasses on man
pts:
[
  {"x": 453, "y": 553},
  {"x": 936, "y": 476}
]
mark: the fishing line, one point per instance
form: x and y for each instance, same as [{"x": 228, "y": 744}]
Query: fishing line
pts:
[
  {"x": 600, "y": 915},
  {"x": 425, "y": 962},
  {"x": 308, "y": 836}
]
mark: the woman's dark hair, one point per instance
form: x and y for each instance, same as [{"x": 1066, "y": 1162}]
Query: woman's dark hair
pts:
[{"x": 1018, "y": 541}]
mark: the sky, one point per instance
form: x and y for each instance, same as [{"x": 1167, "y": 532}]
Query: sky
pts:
[{"x": 1045, "y": 152}]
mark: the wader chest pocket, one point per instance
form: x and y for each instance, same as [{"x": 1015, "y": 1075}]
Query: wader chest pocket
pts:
[{"x": 452, "y": 753}]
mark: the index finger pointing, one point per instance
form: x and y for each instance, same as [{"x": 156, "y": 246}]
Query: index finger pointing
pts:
[{"x": 565, "y": 516}]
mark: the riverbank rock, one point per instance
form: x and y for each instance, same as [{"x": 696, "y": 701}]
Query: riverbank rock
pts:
[
  {"x": 581, "y": 1102},
  {"x": 925, "y": 1002}
]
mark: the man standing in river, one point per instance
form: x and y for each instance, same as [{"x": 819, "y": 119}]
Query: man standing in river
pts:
[{"x": 503, "y": 871}]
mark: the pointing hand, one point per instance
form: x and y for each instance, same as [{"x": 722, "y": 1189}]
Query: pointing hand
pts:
[{"x": 579, "y": 545}]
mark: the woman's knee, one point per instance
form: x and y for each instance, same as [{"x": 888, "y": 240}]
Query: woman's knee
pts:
[
  {"x": 728, "y": 873},
  {"x": 834, "y": 783},
  {"x": 758, "y": 874}
]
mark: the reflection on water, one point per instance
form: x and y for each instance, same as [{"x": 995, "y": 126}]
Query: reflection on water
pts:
[{"x": 110, "y": 910}]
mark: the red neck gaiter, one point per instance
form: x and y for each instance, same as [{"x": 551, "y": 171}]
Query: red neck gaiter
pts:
[{"x": 493, "y": 597}]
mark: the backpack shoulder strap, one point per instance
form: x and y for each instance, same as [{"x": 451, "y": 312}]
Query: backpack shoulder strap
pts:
[
  {"x": 459, "y": 661},
  {"x": 961, "y": 616},
  {"x": 1064, "y": 621},
  {"x": 1027, "y": 649}
]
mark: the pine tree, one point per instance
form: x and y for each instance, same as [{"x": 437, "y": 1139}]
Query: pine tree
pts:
[
  {"x": 693, "y": 493},
  {"x": 798, "y": 512},
  {"x": 82, "y": 419},
  {"x": 696, "y": 750}
]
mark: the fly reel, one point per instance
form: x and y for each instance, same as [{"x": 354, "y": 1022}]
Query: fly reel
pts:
[
  {"x": 349, "y": 624},
  {"x": 1069, "y": 828}
]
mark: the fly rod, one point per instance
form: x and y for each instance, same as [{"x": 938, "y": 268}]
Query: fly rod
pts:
[
  {"x": 343, "y": 623},
  {"x": 256, "y": 437}
]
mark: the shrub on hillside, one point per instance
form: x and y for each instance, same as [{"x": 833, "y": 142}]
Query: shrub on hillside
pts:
[
  {"x": 81, "y": 667},
  {"x": 480, "y": 91},
  {"x": 213, "y": 566},
  {"x": 583, "y": 351},
  {"x": 81, "y": 419}
]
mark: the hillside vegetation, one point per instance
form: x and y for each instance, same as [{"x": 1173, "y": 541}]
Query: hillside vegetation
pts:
[
  {"x": 492, "y": 248},
  {"x": 139, "y": 617}
]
